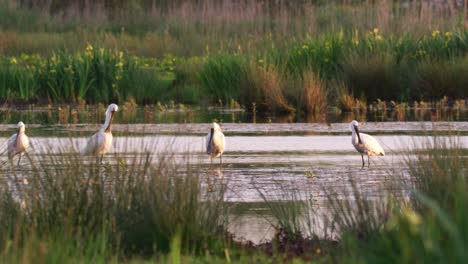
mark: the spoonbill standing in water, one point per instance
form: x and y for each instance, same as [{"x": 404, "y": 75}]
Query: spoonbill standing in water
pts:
[
  {"x": 101, "y": 142},
  {"x": 215, "y": 143},
  {"x": 18, "y": 143},
  {"x": 365, "y": 144}
]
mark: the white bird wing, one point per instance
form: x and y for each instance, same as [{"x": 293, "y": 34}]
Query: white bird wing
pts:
[
  {"x": 219, "y": 141},
  {"x": 16, "y": 146},
  {"x": 11, "y": 144},
  {"x": 25, "y": 142},
  {"x": 371, "y": 144},
  {"x": 93, "y": 144}
]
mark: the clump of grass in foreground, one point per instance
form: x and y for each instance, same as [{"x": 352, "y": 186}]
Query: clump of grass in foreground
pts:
[
  {"x": 430, "y": 229},
  {"x": 135, "y": 206}
]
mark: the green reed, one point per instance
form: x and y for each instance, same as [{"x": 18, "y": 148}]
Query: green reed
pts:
[
  {"x": 370, "y": 65},
  {"x": 95, "y": 75}
]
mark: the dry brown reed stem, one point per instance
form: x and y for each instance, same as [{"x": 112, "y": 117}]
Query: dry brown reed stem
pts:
[
  {"x": 271, "y": 87},
  {"x": 314, "y": 97},
  {"x": 346, "y": 101}
]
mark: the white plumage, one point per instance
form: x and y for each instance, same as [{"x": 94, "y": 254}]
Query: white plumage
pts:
[
  {"x": 215, "y": 143},
  {"x": 18, "y": 143},
  {"x": 100, "y": 143},
  {"x": 365, "y": 144}
]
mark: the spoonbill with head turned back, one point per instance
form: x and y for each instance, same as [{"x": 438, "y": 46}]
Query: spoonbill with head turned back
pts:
[
  {"x": 215, "y": 143},
  {"x": 18, "y": 143},
  {"x": 365, "y": 144},
  {"x": 101, "y": 142}
]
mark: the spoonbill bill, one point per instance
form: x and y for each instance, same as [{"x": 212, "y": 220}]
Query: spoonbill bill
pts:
[
  {"x": 215, "y": 143},
  {"x": 364, "y": 143},
  {"x": 101, "y": 141},
  {"x": 18, "y": 143}
]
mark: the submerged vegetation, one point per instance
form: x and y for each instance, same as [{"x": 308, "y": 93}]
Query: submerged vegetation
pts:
[{"x": 276, "y": 57}]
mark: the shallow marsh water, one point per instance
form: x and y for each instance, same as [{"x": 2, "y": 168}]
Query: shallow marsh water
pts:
[{"x": 269, "y": 158}]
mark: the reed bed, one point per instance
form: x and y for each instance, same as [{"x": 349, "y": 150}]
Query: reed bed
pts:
[
  {"x": 204, "y": 53},
  {"x": 188, "y": 28},
  {"x": 305, "y": 77}
]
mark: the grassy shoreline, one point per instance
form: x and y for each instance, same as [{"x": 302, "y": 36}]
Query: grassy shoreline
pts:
[{"x": 339, "y": 70}]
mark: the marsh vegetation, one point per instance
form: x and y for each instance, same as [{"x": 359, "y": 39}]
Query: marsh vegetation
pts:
[{"x": 303, "y": 57}]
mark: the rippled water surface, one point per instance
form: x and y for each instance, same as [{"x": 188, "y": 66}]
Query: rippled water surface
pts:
[{"x": 261, "y": 158}]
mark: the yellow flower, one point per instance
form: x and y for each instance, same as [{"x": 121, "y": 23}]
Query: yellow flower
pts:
[
  {"x": 413, "y": 217},
  {"x": 13, "y": 60},
  {"x": 448, "y": 34},
  {"x": 89, "y": 47},
  {"x": 378, "y": 37},
  {"x": 318, "y": 251},
  {"x": 376, "y": 31},
  {"x": 305, "y": 47},
  {"x": 435, "y": 33}
]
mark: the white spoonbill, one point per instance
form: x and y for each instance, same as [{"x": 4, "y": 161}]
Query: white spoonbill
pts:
[
  {"x": 215, "y": 143},
  {"x": 365, "y": 144},
  {"x": 101, "y": 142},
  {"x": 18, "y": 143}
]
